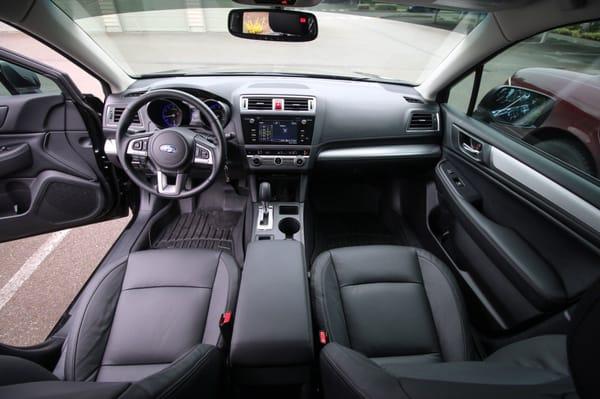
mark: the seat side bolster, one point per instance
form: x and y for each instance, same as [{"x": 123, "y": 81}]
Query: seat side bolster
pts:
[
  {"x": 83, "y": 352},
  {"x": 223, "y": 297},
  {"x": 347, "y": 374},
  {"x": 195, "y": 373},
  {"x": 327, "y": 299},
  {"x": 447, "y": 308}
]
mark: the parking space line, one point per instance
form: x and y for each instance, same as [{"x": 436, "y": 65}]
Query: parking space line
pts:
[{"x": 30, "y": 266}]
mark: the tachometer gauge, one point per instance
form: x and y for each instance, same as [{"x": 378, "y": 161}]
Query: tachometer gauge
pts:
[{"x": 170, "y": 114}]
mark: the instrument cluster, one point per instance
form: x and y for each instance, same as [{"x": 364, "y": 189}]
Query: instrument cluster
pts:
[{"x": 174, "y": 113}]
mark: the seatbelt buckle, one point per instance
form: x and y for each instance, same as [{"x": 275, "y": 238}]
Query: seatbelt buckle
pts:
[
  {"x": 226, "y": 325},
  {"x": 225, "y": 318},
  {"x": 323, "y": 337}
]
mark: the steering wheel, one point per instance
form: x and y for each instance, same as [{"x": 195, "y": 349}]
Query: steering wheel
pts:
[{"x": 169, "y": 154}]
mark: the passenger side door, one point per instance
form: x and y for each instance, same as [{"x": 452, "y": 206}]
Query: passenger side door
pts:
[
  {"x": 53, "y": 174},
  {"x": 519, "y": 195}
]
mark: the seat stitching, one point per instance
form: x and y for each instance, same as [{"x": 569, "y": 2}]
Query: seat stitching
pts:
[
  {"x": 192, "y": 370},
  {"x": 337, "y": 280},
  {"x": 344, "y": 377},
  {"x": 72, "y": 366},
  {"x": 381, "y": 282},
  {"x": 165, "y": 286},
  {"x": 456, "y": 300}
]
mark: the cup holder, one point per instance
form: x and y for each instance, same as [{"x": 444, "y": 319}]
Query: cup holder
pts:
[{"x": 289, "y": 227}]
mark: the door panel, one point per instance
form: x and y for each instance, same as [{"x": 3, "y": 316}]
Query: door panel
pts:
[
  {"x": 523, "y": 252},
  {"x": 50, "y": 178}
]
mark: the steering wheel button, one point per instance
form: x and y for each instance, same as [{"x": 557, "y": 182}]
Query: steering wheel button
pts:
[
  {"x": 137, "y": 145},
  {"x": 204, "y": 154}
]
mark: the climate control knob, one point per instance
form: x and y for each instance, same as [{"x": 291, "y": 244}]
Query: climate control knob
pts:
[
  {"x": 277, "y": 161},
  {"x": 299, "y": 162},
  {"x": 256, "y": 161}
]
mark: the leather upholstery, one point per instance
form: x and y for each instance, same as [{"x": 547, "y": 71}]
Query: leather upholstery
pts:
[
  {"x": 273, "y": 324},
  {"x": 153, "y": 320},
  {"x": 398, "y": 328},
  {"x": 349, "y": 375},
  {"x": 393, "y": 304}
]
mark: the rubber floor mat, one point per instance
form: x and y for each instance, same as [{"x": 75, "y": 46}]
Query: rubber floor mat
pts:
[{"x": 200, "y": 229}]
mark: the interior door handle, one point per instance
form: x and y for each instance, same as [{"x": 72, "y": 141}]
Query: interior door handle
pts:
[
  {"x": 14, "y": 158},
  {"x": 473, "y": 148}
]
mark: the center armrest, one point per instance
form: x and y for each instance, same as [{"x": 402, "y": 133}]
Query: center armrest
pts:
[{"x": 272, "y": 327}]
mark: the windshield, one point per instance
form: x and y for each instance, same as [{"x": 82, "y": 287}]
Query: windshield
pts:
[{"x": 363, "y": 39}]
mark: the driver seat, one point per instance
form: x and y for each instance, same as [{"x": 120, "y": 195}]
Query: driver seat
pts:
[{"x": 147, "y": 327}]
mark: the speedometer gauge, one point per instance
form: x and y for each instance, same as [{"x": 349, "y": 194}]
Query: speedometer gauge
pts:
[
  {"x": 170, "y": 114},
  {"x": 220, "y": 109}
]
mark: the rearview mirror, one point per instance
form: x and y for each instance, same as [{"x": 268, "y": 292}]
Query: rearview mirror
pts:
[{"x": 277, "y": 25}]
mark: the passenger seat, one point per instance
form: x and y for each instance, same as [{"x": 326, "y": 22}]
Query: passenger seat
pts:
[{"x": 396, "y": 313}]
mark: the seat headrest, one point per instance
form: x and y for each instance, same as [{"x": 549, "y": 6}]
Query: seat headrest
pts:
[{"x": 583, "y": 344}]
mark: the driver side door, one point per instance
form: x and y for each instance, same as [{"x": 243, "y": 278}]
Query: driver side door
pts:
[{"x": 53, "y": 173}]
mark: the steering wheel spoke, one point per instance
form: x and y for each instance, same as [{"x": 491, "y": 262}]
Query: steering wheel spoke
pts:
[
  {"x": 164, "y": 187},
  {"x": 204, "y": 152}
]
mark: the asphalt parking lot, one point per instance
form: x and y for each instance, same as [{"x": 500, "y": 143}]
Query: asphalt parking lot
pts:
[{"x": 40, "y": 276}]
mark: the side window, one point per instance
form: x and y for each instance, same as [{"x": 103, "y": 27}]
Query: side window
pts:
[
  {"x": 546, "y": 92},
  {"x": 23, "y": 44},
  {"x": 17, "y": 80}
]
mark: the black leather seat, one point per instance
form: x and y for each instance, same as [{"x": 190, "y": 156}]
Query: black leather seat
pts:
[
  {"x": 398, "y": 327},
  {"x": 147, "y": 327}
]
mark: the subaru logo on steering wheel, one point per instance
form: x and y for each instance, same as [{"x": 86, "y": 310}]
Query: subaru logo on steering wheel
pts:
[{"x": 169, "y": 148}]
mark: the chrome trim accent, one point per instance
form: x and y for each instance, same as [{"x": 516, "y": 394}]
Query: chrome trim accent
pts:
[
  {"x": 381, "y": 152},
  {"x": 312, "y": 105},
  {"x": 576, "y": 206},
  {"x": 203, "y": 161},
  {"x": 109, "y": 117},
  {"x": 286, "y": 160},
  {"x": 131, "y": 151},
  {"x": 170, "y": 189},
  {"x": 261, "y": 215},
  {"x": 110, "y": 147}
]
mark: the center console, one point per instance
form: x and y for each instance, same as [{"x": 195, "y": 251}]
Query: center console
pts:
[{"x": 278, "y": 130}]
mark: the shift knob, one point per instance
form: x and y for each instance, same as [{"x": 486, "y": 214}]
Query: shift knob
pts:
[{"x": 264, "y": 193}]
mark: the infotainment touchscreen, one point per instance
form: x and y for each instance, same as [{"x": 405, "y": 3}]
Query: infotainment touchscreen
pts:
[{"x": 278, "y": 131}]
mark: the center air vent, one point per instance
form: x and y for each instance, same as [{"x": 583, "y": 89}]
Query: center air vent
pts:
[
  {"x": 295, "y": 103},
  {"x": 290, "y": 104},
  {"x": 260, "y": 103},
  {"x": 421, "y": 121}
]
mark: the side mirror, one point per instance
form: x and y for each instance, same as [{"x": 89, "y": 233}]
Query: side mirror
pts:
[
  {"x": 515, "y": 106},
  {"x": 19, "y": 80},
  {"x": 276, "y": 25}
]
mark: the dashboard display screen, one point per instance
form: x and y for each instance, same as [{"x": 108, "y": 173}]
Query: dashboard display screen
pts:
[{"x": 278, "y": 132}]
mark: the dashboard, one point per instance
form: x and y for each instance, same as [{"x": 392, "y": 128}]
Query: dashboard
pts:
[{"x": 292, "y": 123}]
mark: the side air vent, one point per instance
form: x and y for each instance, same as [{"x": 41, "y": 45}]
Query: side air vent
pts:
[
  {"x": 114, "y": 116},
  {"x": 295, "y": 104},
  {"x": 420, "y": 121},
  {"x": 135, "y": 94},
  {"x": 414, "y": 100},
  {"x": 260, "y": 103}
]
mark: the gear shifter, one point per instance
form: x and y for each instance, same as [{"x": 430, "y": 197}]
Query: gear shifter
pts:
[
  {"x": 265, "y": 211},
  {"x": 264, "y": 194}
]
